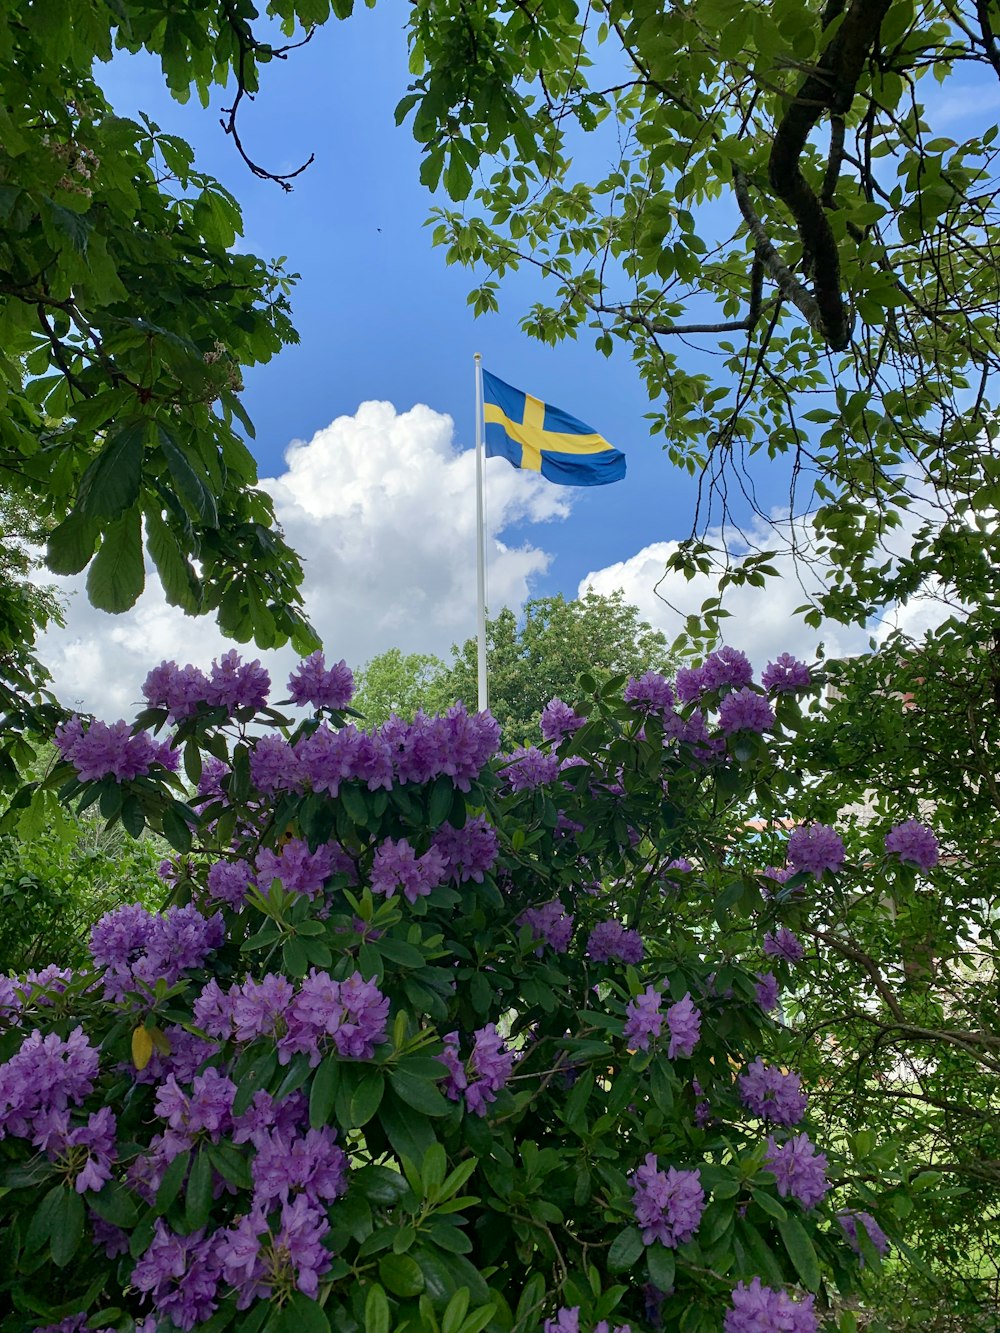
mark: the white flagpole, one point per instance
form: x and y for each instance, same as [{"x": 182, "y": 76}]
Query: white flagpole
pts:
[{"x": 480, "y": 545}]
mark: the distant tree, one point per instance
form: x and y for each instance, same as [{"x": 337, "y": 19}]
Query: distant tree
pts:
[
  {"x": 395, "y": 682},
  {"x": 544, "y": 656}
]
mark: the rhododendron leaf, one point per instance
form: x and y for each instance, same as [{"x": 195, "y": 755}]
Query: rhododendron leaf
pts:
[
  {"x": 770, "y": 1205},
  {"x": 67, "y": 1228},
  {"x": 441, "y": 797},
  {"x": 377, "y": 1317},
  {"x": 801, "y": 1251},
  {"x": 253, "y": 1077},
  {"x": 401, "y": 1274},
  {"x": 114, "y": 1204},
  {"x": 410, "y": 1135},
  {"x": 625, "y": 1249},
  {"x": 419, "y": 1093},
  {"x": 175, "y": 828},
  {"x": 142, "y": 1047},
  {"x": 661, "y": 1265},
  {"x": 358, "y": 1096},
  {"x": 44, "y": 1219},
  {"x": 198, "y": 1196},
  {"x": 173, "y": 1179}
]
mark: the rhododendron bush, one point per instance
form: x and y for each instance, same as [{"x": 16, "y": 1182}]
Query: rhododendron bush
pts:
[{"x": 429, "y": 1037}]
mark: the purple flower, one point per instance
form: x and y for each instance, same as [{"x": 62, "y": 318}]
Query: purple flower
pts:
[
  {"x": 528, "y": 767},
  {"x": 559, "y": 720},
  {"x": 102, "y": 751},
  {"x": 181, "y": 1274},
  {"x": 668, "y": 1204},
  {"x": 745, "y": 710},
  {"x": 486, "y": 1072},
  {"x": 206, "y": 1110},
  {"x": 311, "y": 683},
  {"x": 84, "y": 1154},
  {"x": 772, "y": 1095},
  {"x": 567, "y": 1320},
  {"x": 177, "y": 689},
  {"x": 690, "y": 684},
  {"x": 45, "y": 1074},
  {"x": 610, "y": 941},
  {"x": 727, "y": 666},
  {"x": 259, "y": 1263},
  {"x": 785, "y": 673},
  {"x": 784, "y": 944},
  {"x": 137, "y": 947},
  {"x": 758, "y": 1309},
  {"x": 684, "y": 1025},
  {"x": 258, "y": 1008},
  {"x": 849, "y": 1219},
  {"x": 651, "y": 692},
  {"x": 767, "y": 991},
  {"x": 643, "y": 1019},
  {"x": 353, "y": 1012},
  {"x": 549, "y": 923},
  {"x": 237, "y": 684},
  {"x": 275, "y": 766},
  {"x": 773, "y": 877},
  {"x": 799, "y": 1169},
  {"x": 815, "y": 847},
  {"x": 457, "y": 745},
  {"x": 914, "y": 843},
  {"x": 298, "y": 869},
  {"x": 470, "y": 850},
  {"x": 311, "y": 1164},
  {"x": 228, "y": 881},
  {"x": 397, "y": 866}
]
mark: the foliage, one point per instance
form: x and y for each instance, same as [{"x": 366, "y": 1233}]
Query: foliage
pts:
[
  {"x": 533, "y": 662},
  {"x": 395, "y": 682},
  {"x": 909, "y": 1046},
  {"x": 417, "y": 972},
  {"x": 788, "y": 191},
  {"x": 127, "y": 314}
]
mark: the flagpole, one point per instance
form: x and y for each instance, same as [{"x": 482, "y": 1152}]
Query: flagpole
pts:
[{"x": 480, "y": 545}]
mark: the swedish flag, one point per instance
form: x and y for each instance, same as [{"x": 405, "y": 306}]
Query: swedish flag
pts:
[{"x": 541, "y": 438}]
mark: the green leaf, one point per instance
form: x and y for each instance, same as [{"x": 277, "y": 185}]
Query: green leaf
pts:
[
  {"x": 377, "y": 1311},
  {"x": 111, "y": 483},
  {"x": 198, "y": 1197},
  {"x": 114, "y": 1204},
  {"x": 356, "y": 1106},
  {"x": 323, "y": 1091},
  {"x": 180, "y": 582},
  {"x": 401, "y": 1274},
  {"x": 67, "y": 1228},
  {"x": 419, "y": 1093},
  {"x": 625, "y": 1249},
  {"x": 173, "y": 1179},
  {"x": 194, "y": 493},
  {"x": 661, "y": 1266},
  {"x": 116, "y": 577},
  {"x": 175, "y": 828},
  {"x": 71, "y": 544},
  {"x": 800, "y": 1251}
]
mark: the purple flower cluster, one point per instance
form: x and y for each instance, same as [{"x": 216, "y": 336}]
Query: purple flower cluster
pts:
[
  {"x": 228, "y": 881},
  {"x": 914, "y": 843},
  {"x": 668, "y": 1204},
  {"x": 644, "y": 1021},
  {"x": 397, "y": 866},
  {"x": 456, "y": 745},
  {"x": 83, "y": 1154},
  {"x": 207, "y": 1110},
  {"x": 136, "y": 947},
  {"x": 726, "y": 666},
  {"x": 263, "y": 1259},
  {"x": 815, "y": 848},
  {"x": 352, "y": 1012},
  {"x": 745, "y": 710},
  {"x": 287, "y": 1164},
  {"x": 298, "y": 869},
  {"x": 231, "y": 684},
  {"x": 784, "y": 944},
  {"x": 483, "y": 1075},
  {"x": 609, "y": 941},
  {"x": 528, "y": 767},
  {"x": 651, "y": 692},
  {"x": 567, "y": 1320},
  {"x": 312, "y": 683},
  {"x": 849, "y": 1219},
  {"x": 785, "y": 673},
  {"x": 772, "y": 1095},
  {"x": 799, "y": 1169},
  {"x": 549, "y": 923},
  {"x": 181, "y": 1275},
  {"x": 470, "y": 851},
  {"x": 559, "y": 720},
  {"x": 111, "y": 751},
  {"x": 767, "y": 991},
  {"x": 45, "y": 1075},
  {"x": 758, "y": 1309}
]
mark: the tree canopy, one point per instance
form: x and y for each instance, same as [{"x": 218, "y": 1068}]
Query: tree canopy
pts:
[{"x": 795, "y": 240}]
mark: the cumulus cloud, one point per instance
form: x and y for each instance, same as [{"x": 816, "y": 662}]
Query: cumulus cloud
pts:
[
  {"x": 381, "y": 508},
  {"x": 762, "y": 621}
]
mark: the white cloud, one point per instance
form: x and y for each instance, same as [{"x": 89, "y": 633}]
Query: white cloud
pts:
[
  {"x": 381, "y": 508},
  {"x": 762, "y": 621}
]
